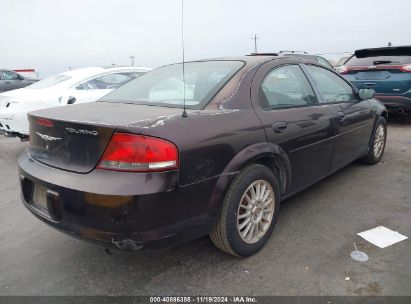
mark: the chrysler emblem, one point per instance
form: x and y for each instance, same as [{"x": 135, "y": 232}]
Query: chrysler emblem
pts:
[{"x": 48, "y": 138}]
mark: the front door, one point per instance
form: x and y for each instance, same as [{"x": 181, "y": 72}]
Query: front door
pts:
[{"x": 354, "y": 119}]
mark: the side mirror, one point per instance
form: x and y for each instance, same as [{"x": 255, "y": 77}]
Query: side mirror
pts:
[
  {"x": 365, "y": 94},
  {"x": 20, "y": 77},
  {"x": 71, "y": 100}
]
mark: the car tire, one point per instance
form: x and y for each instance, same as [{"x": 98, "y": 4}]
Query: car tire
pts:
[
  {"x": 240, "y": 206},
  {"x": 377, "y": 146}
]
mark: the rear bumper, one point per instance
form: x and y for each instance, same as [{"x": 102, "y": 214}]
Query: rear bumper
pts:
[
  {"x": 395, "y": 102},
  {"x": 156, "y": 216},
  {"x": 395, "y": 93}
]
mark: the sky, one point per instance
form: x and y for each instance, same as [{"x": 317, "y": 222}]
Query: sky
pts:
[{"x": 51, "y": 35}]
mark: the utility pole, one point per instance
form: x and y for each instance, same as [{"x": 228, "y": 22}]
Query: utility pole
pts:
[
  {"x": 255, "y": 42},
  {"x": 132, "y": 60}
]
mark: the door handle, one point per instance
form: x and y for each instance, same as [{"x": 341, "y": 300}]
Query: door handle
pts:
[
  {"x": 279, "y": 126},
  {"x": 340, "y": 115},
  {"x": 71, "y": 100}
]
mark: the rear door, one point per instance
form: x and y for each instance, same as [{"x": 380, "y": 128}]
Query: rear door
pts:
[
  {"x": 287, "y": 107},
  {"x": 354, "y": 118}
]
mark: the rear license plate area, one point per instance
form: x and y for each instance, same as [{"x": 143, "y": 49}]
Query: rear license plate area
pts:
[
  {"x": 39, "y": 199},
  {"x": 372, "y": 75}
]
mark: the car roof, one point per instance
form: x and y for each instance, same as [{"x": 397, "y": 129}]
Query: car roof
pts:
[
  {"x": 91, "y": 71},
  {"x": 283, "y": 54},
  {"x": 252, "y": 59},
  {"x": 9, "y": 70},
  {"x": 83, "y": 74},
  {"x": 127, "y": 69},
  {"x": 249, "y": 59}
]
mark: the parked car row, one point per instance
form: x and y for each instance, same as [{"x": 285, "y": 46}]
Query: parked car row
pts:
[
  {"x": 77, "y": 86},
  {"x": 203, "y": 147}
]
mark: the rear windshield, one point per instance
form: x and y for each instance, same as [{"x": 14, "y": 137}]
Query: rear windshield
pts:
[
  {"x": 165, "y": 85},
  {"x": 367, "y": 61},
  {"x": 49, "y": 81}
]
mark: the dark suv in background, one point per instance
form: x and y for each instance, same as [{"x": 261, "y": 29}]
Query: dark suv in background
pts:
[
  {"x": 10, "y": 80},
  {"x": 387, "y": 71}
]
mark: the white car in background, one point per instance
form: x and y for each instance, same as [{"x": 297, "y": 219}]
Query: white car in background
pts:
[{"x": 76, "y": 86}]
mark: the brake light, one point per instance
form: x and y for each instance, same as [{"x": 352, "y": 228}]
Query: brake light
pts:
[
  {"x": 406, "y": 68},
  {"x": 343, "y": 69},
  {"x": 44, "y": 122},
  {"x": 139, "y": 153}
]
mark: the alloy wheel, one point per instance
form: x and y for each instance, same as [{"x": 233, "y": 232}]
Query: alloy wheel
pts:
[
  {"x": 256, "y": 211},
  {"x": 379, "y": 141}
]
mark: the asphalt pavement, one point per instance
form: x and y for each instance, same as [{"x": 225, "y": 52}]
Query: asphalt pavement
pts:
[{"x": 308, "y": 253}]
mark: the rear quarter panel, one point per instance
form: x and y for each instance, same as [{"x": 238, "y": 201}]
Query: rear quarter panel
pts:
[{"x": 207, "y": 140}]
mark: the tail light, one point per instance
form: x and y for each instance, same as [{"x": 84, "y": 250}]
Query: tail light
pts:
[
  {"x": 406, "y": 68},
  {"x": 343, "y": 69},
  {"x": 44, "y": 122},
  {"x": 139, "y": 153}
]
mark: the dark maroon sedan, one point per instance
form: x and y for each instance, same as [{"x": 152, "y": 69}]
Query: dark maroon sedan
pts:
[{"x": 133, "y": 172}]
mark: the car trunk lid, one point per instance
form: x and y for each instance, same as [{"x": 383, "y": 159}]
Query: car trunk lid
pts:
[{"x": 74, "y": 138}]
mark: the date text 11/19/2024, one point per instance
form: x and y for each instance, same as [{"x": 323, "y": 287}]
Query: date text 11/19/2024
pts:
[{"x": 203, "y": 299}]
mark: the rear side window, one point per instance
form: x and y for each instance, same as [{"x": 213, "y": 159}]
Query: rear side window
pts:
[
  {"x": 286, "y": 87},
  {"x": 331, "y": 87},
  {"x": 106, "y": 82},
  {"x": 368, "y": 61}
]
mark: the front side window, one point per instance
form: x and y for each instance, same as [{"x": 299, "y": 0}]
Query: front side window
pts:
[
  {"x": 8, "y": 75},
  {"x": 286, "y": 87},
  {"x": 166, "y": 86},
  {"x": 331, "y": 87},
  {"x": 106, "y": 82}
]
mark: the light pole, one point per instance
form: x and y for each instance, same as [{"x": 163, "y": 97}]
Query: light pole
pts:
[
  {"x": 255, "y": 42},
  {"x": 132, "y": 60}
]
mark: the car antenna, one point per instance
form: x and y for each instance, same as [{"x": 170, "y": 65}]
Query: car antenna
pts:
[{"x": 182, "y": 47}]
